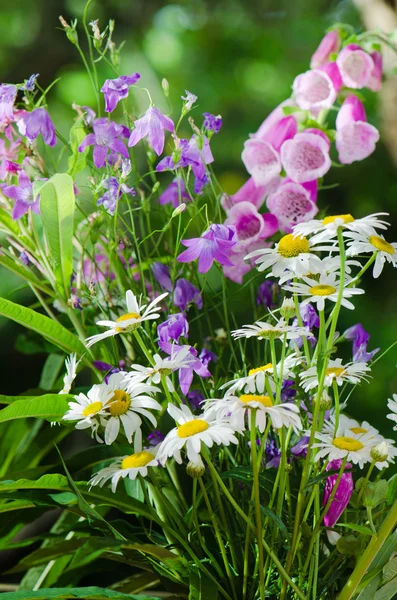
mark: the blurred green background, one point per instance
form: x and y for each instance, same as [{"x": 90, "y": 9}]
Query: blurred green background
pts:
[{"x": 240, "y": 58}]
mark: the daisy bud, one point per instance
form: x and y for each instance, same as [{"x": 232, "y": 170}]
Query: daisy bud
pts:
[
  {"x": 287, "y": 309},
  {"x": 180, "y": 209},
  {"x": 325, "y": 401},
  {"x": 380, "y": 452},
  {"x": 166, "y": 87},
  {"x": 195, "y": 469}
]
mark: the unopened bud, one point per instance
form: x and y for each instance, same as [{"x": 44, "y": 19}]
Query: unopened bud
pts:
[
  {"x": 179, "y": 209},
  {"x": 166, "y": 87},
  {"x": 70, "y": 30},
  {"x": 155, "y": 187},
  {"x": 325, "y": 401},
  {"x": 195, "y": 469},
  {"x": 287, "y": 309},
  {"x": 380, "y": 452},
  {"x": 97, "y": 34}
]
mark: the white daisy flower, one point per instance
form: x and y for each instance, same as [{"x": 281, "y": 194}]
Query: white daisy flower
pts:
[
  {"x": 264, "y": 330},
  {"x": 336, "y": 371},
  {"x": 126, "y": 466},
  {"x": 327, "y": 288},
  {"x": 255, "y": 381},
  {"x": 356, "y": 447},
  {"x": 327, "y": 229},
  {"x": 384, "y": 452},
  {"x": 362, "y": 244},
  {"x": 71, "y": 364},
  {"x": 392, "y": 405},
  {"x": 236, "y": 407},
  {"x": 332, "y": 265},
  {"x": 191, "y": 432},
  {"x": 87, "y": 410},
  {"x": 125, "y": 405},
  {"x": 291, "y": 255},
  {"x": 135, "y": 315},
  {"x": 347, "y": 426},
  {"x": 163, "y": 367}
]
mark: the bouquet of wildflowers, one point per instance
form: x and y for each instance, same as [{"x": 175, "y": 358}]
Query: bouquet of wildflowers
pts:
[{"x": 214, "y": 456}]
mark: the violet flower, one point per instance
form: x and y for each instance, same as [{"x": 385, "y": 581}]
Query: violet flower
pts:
[
  {"x": 155, "y": 438},
  {"x": 329, "y": 45},
  {"x": 360, "y": 338},
  {"x": 287, "y": 391},
  {"x": 355, "y": 66},
  {"x": 185, "y": 293},
  {"x": 268, "y": 294},
  {"x": 161, "y": 273},
  {"x": 175, "y": 193},
  {"x": 152, "y": 124},
  {"x": 7, "y": 98},
  {"x": 310, "y": 319},
  {"x": 306, "y": 156},
  {"x": 115, "y": 190},
  {"x": 273, "y": 454},
  {"x": 103, "y": 366},
  {"x": 23, "y": 196},
  {"x": 206, "y": 356},
  {"x": 293, "y": 203},
  {"x": 36, "y": 122},
  {"x": 175, "y": 327},
  {"x": 106, "y": 138},
  {"x": 355, "y": 138},
  {"x": 186, "y": 373},
  {"x": 342, "y": 494},
  {"x": 212, "y": 122},
  {"x": 30, "y": 83},
  {"x": 300, "y": 448},
  {"x": 214, "y": 244},
  {"x": 189, "y": 99},
  {"x": 115, "y": 90},
  {"x": 24, "y": 258},
  {"x": 194, "y": 398}
]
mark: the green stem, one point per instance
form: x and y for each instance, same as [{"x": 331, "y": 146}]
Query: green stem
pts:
[{"x": 258, "y": 517}]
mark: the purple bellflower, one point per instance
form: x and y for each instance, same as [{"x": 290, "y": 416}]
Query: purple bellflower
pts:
[
  {"x": 194, "y": 366},
  {"x": 115, "y": 190},
  {"x": 273, "y": 454},
  {"x": 30, "y": 83},
  {"x": 342, "y": 494},
  {"x": 360, "y": 339},
  {"x": 162, "y": 275},
  {"x": 355, "y": 138},
  {"x": 214, "y": 244},
  {"x": 212, "y": 122},
  {"x": 36, "y": 122},
  {"x": 152, "y": 124},
  {"x": 23, "y": 196},
  {"x": 115, "y": 90},
  {"x": 106, "y": 138},
  {"x": 185, "y": 293},
  {"x": 300, "y": 449},
  {"x": 7, "y": 98},
  {"x": 310, "y": 319},
  {"x": 189, "y": 99},
  {"x": 175, "y": 193},
  {"x": 268, "y": 294},
  {"x": 206, "y": 356},
  {"x": 194, "y": 398},
  {"x": 155, "y": 438},
  {"x": 175, "y": 327}
]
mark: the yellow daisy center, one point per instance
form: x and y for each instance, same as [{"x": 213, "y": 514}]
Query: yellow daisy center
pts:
[
  {"x": 192, "y": 427},
  {"x": 139, "y": 459},
  {"x": 290, "y": 246},
  {"x": 126, "y": 317},
  {"x": 381, "y": 244},
  {"x": 347, "y": 443},
  {"x": 322, "y": 290},
  {"x": 337, "y": 371},
  {"x": 264, "y": 400},
  {"x": 259, "y": 369},
  {"x": 346, "y": 219},
  {"x": 119, "y": 403},
  {"x": 358, "y": 430},
  {"x": 92, "y": 409}
]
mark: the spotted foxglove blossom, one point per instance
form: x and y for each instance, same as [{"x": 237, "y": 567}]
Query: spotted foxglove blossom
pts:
[
  {"x": 87, "y": 410},
  {"x": 355, "y": 138},
  {"x": 318, "y": 88},
  {"x": 363, "y": 244},
  {"x": 235, "y": 408},
  {"x": 193, "y": 431},
  {"x": 355, "y": 66},
  {"x": 71, "y": 364},
  {"x": 115, "y": 90},
  {"x": 161, "y": 368},
  {"x": 293, "y": 203},
  {"x": 105, "y": 139},
  {"x": 392, "y": 405},
  {"x": 306, "y": 156},
  {"x": 327, "y": 228},
  {"x": 326, "y": 288},
  {"x": 151, "y": 125},
  {"x": 8, "y": 94},
  {"x": 375, "y": 81},
  {"x": 175, "y": 327},
  {"x": 342, "y": 495},
  {"x": 175, "y": 193},
  {"x": 265, "y": 331},
  {"x": 214, "y": 244},
  {"x": 212, "y": 123},
  {"x": 36, "y": 122},
  {"x": 136, "y": 314},
  {"x": 360, "y": 339},
  {"x": 335, "y": 371},
  {"x": 186, "y": 294},
  {"x": 23, "y": 196},
  {"x": 355, "y": 447},
  {"x": 127, "y": 466},
  {"x": 329, "y": 45},
  {"x": 115, "y": 190}
]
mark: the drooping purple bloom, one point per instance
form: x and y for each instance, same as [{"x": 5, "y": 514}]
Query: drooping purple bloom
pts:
[
  {"x": 189, "y": 99},
  {"x": 7, "y": 98},
  {"x": 342, "y": 494},
  {"x": 212, "y": 122},
  {"x": 287, "y": 391},
  {"x": 269, "y": 294},
  {"x": 30, "y": 83},
  {"x": 106, "y": 138},
  {"x": 186, "y": 373},
  {"x": 293, "y": 203},
  {"x": 175, "y": 327},
  {"x": 206, "y": 356},
  {"x": 115, "y": 190},
  {"x": 185, "y": 293},
  {"x": 36, "y": 122},
  {"x": 300, "y": 449},
  {"x": 306, "y": 156},
  {"x": 214, "y": 244},
  {"x": 161, "y": 273},
  {"x": 115, "y": 90},
  {"x": 273, "y": 454},
  {"x": 330, "y": 44},
  {"x": 152, "y": 124},
  {"x": 23, "y": 196},
  {"x": 360, "y": 338},
  {"x": 355, "y": 66},
  {"x": 195, "y": 398},
  {"x": 355, "y": 138},
  {"x": 175, "y": 193}
]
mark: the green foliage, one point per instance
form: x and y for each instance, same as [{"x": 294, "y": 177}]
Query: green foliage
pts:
[
  {"x": 51, "y": 407},
  {"x": 91, "y": 593},
  {"x": 77, "y": 160}
]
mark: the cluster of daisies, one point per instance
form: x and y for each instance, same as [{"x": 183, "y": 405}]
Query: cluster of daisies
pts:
[{"x": 126, "y": 400}]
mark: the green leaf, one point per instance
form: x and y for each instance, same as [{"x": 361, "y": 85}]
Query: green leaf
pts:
[
  {"x": 7, "y": 223},
  {"x": 389, "y": 570},
  {"x": 358, "y": 528},
  {"x": 57, "y": 204},
  {"x": 46, "y": 482},
  {"x": 200, "y": 587},
  {"x": 25, "y": 273},
  {"x": 49, "y": 329},
  {"x": 50, "y": 371},
  {"x": 392, "y": 491},
  {"x": 269, "y": 513},
  {"x": 16, "y": 505},
  {"x": 92, "y": 592},
  {"x": 77, "y": 160},
  {"x": 369, "y": 591},
  {"x": 51, "y": 407},
  {"x": 388, "y": 591}
]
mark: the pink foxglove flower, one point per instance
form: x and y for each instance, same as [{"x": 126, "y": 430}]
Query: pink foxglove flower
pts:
[
  {"x": 36, "y": 122},
  {"x": 115, "y": 90},
  {"x": 355, "y": 66},
  {"x": 306, "y": 156},
  {"x": 355, "y": 138},
  {"x": 375, "y": 81},
  {"x": 152, "y": 124},
  {"x": 330, "y": 44},
  {"x": 293, "y": 203},
  {"x": 249, "y": 192},
  {"x": 318, "y": 88},
  {"x": 342, "y": 495},
  {"x": 214, "y": 244}
]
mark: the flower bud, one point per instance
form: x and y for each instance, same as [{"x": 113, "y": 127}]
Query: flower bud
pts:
[
  {"x": 70, "y": 30},
  {"x": 195, "y": 469},
  {"x": 287, "y": 309},
  {"x": 155, "y": 187},
  {"x": 179, "y": 209},
  {"x": 166, "y": 87},
  {"x": 325, "y": 401},
  {"x": 380, "y": 452}
]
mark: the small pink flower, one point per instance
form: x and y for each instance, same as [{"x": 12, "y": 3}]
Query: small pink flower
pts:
[
  {"x": 375, "y": 81},
  {"x": 293, "y": 203},
  {"x": 355, "y": 66},
  {"x": 355, "y": 138},
  {"x": 318, "y": 88},
  {"x": 306, "y": 156},
  {"x": 330, "y": 44},
  {"x": 342, "y": 494}
]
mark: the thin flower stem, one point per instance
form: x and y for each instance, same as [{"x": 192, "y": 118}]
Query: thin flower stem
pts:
[
  {"x": 337, "y": 406},
  {"x": 364, "y": 483},
  {"x": 197, "y": 527},
  {"x": 365, "y": 268},
  {"x": 258, "y": 516},
  {"x": 336, "y": 310},
  {"x": 300, "y": 323}
]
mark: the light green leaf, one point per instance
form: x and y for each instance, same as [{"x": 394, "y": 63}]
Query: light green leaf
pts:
[
  {"x": 77, "y": 160},
  {"x": 51, "y": 407},
  {"x": 369, "y": 591},
  {"x": 25, "y": 273},
  {"x": 49, "y": 329},
  {"x": 358, "y": 528},
  {"x": 16, "y": 505},
  {"x": 390, "y": 570},
  {"x": 46, "y": 482},
  {"x": 92, "y": 593},
  {"x": 388, "y": 591},
  {"x": 57, "y": 204},
  {"x": 7, "y": 223}
]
